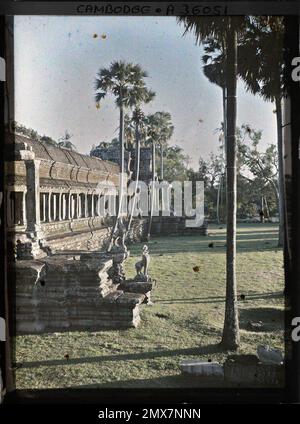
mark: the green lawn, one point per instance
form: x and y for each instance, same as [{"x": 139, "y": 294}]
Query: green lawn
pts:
[{"x": 185, "y": 320}]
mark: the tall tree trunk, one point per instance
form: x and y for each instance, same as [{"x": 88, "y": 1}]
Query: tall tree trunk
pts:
[
  {"x": 153, "y": 193},
  {"x": 218, "y": 200},
  {"x": 137, "y": 171},
  {"x": 161, "y": 162},
  {"x": 122, "y": 154},
  {"x": 280, "y": 171},
  {"x": 231, "y": 337},
  {"x": 224, "y": 93},
  {"x": 122, "y": 170},
  {"x": 224, "y": 133}
]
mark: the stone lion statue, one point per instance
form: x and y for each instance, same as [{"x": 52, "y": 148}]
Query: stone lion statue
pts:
[{"x": 142, "y": 266}]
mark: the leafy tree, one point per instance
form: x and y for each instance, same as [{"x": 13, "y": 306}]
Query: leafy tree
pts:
[
  {"x": 106, "y": 144},
  {"x": 32, "y": 134},
  {"x": 263, "y": 165},
  {"x": 48, "y": 140},
  {"x": 175, "y": 164},
  {"x": 262, "y": 70}
]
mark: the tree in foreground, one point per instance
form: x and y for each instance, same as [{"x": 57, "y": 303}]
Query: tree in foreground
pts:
[{"x": 225, "y": 31}]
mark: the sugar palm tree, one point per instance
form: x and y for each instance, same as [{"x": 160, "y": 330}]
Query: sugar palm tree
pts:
[
  {"x": 214, "y": 69},
  {"x": 126, "y": 82},
  {"x": 129, "y": 130},
  {"x": 139, "y": 122},
  {"x": 152, "y": 139},
  {"x": 160, "y": 129},
  {"x": 262, "y": 70},
  {"x": 225, "y": 31}
]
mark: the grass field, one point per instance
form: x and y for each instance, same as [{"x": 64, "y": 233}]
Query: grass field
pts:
[{"x": 185, "y": 320}]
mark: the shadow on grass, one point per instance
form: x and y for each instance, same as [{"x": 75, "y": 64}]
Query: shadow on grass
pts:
[
  {"x": 201, "y": 350},
  {"x": 179, "y": 381},
  {"x": 181, "y": 246},
  {"x": 272, "y": 319},
  {"x": 248, "y": 240},
  {"x": 216, "y": 299}
]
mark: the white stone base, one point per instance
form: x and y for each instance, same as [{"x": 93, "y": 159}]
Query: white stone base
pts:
[{"x": 203, "y": 369}]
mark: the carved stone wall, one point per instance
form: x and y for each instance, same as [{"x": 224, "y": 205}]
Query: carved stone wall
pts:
[
  {"x": 66, "y": 293},
  {"x": 56, "y": 198}
]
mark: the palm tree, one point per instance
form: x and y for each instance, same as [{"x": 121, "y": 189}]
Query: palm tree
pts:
[
  {"x": 152, "y": 139},
  {"x": 129, "y": 130},
  {"x": 262, "y": 70},
  {"x": 225, "y": 31},
  {"x": 126, "y": 82},
  {"x": 160, "y": 130},
  {"x": 139, "y": 121}
]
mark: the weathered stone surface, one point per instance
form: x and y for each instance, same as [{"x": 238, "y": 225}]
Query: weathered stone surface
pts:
[
  {"x": 202, "y": 369},
  {"x": 138, "y": 230},
  {"x": 269, "y": 355},
  {"x": 137, "y": 286},
  {"x": 61, "y": 293},
  {"x": 130, "y": 299},
  {"x": 112, "y": 297},
  {"x": 247, "y": 370},
  {"x": 143, "y": 287}
]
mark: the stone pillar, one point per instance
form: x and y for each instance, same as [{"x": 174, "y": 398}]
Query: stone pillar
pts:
[
  {"x": 86, "y": 206},
  {"x": 65, "y": 206},
  {"x": 60, "y": 198},
  {"x": 54, "y": 207},
  {"x": 49, "y": 207},
  {"x": 73, "y": 207},
  {"x": 33, "y": 195}
]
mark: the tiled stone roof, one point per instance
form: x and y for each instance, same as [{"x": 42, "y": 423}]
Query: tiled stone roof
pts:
[{"x": 60, "y": 154}]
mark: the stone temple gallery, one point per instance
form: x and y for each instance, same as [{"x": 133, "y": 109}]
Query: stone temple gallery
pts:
[{"x": 67, "y": 277}]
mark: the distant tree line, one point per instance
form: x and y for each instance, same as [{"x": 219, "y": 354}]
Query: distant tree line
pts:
[{"x": 64, "y": 141}]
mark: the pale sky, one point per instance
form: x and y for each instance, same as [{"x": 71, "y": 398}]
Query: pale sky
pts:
[{"x": 57, "y": 58}]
